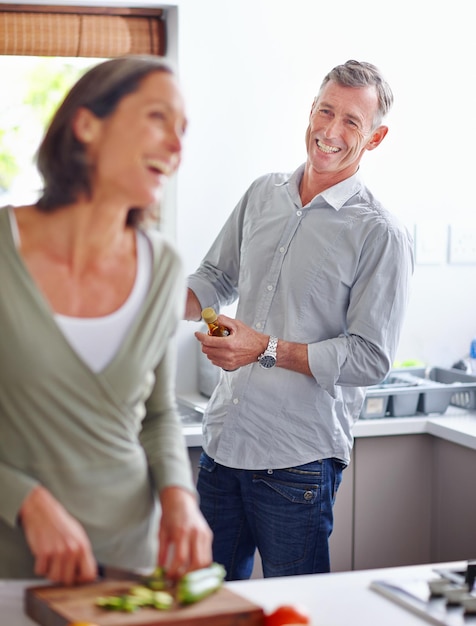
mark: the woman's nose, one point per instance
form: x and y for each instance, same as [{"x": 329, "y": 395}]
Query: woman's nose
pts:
[{"x": 175, "y": 138}]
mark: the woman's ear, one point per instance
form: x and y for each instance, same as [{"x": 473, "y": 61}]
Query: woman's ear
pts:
[
  {"x": 85, "y": 125},
  {"x": 377, "y": 137}
]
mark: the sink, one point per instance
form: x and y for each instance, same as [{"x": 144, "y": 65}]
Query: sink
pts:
[{"x": 189, "y": 414}]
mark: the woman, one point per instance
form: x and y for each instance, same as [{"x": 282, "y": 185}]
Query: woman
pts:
[{"x": 91, "y": 449}]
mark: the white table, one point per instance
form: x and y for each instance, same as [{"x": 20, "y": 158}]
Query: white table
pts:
[{"x": 340, "y": 599}]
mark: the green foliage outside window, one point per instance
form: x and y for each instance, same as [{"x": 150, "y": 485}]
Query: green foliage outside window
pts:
[
  {"x": 8, "y": 163},
  {"x": 37, "y": 85}
]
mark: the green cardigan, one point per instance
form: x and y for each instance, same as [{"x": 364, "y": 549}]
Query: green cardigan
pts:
[{"x": 105, "y": 443}]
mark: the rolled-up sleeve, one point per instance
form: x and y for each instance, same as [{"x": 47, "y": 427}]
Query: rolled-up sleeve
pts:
[{"x": 364, "y": 354}]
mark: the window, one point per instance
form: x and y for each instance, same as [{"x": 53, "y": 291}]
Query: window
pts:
[
  {"x": 36, "y": 85},
  {"x": 43, "y": 51}
]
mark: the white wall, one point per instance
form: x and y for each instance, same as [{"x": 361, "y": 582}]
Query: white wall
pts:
[{"x": 250, "y": 69}]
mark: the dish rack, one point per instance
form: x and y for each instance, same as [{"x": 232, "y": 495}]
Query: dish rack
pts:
[{"x": 411, "y": 391}]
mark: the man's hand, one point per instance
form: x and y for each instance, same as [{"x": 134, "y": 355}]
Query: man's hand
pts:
[
  {"x": 244, "y": 345},
  {"x": 185, "y": 539},
  {"x": 241, "y": 347},
  {"x": 59, "y": 543}
]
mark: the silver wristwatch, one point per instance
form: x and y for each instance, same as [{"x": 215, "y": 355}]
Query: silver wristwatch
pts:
[{"x": 268, "y": 358}]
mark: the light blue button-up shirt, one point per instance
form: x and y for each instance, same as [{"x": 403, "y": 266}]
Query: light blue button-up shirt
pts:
[{"x": 334, "y": 275}]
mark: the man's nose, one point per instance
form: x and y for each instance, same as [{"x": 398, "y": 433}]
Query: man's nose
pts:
[{"x": 331, "y": 128}]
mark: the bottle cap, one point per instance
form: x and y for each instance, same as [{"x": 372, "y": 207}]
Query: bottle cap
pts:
[{"x": 209, "y": 315}]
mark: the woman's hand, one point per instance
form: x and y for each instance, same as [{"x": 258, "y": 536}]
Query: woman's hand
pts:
[
  {"x": 185, "y": 539},
  {"x": 59, "y": 543}
]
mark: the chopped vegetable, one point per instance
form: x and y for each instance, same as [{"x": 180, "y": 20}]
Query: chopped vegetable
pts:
[
  {"x": 288, "y": 614},
  {"x": 138, "y": 596},
  {"x": 158, "y": 580},
  {"x": 162, "y": 600},
  {"x": 191, "y": 588},
  {"x": 125, "y": 603},
  {"x": 200, "y": 583}
]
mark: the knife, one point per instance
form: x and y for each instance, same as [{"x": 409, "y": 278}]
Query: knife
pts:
[{"x": 111, "y": 572}]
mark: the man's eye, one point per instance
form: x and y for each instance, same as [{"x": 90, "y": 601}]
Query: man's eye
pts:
[{"x": 158, "y": 115}]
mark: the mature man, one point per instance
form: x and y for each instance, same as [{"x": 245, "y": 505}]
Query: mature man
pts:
[{"x": 322, "y": 274}]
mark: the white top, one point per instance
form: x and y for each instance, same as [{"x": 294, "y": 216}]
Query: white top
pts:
[{"x": 97, "y": 339}]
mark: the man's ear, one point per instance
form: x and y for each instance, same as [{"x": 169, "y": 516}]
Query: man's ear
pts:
[
  {"x": 85, "y": 125},
  {"x": 377, "y": 137}
]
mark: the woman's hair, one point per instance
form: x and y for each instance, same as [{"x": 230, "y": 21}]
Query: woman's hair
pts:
[
  {"x": 362, "y": 74},
  {"x": 62, "y": 159}
]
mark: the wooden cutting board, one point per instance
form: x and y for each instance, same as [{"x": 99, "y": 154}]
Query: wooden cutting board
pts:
[{"x": 59, "y": 606}]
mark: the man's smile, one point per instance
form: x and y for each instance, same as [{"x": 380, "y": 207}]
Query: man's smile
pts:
[{"x": 325, "y": 148}]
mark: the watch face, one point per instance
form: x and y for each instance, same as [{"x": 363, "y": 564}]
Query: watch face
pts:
[{"x": 267, "y": 361}]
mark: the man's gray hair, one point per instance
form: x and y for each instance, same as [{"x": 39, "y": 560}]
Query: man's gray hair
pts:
[{"x": 362, "y": 74}]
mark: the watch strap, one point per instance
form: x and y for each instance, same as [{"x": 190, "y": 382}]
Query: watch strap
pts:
[{"x": 271, "y": 348}]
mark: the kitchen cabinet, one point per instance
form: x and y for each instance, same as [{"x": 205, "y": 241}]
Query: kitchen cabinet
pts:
[
  {"x": 454, "y": 501},
  {"x": 383, "y": 509},
  {"x": 392, "y": 501},
  {"x": 409, "y": 499},
  {"x": 342, "y": 538}
]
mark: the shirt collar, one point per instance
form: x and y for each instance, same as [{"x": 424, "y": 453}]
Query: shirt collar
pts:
[{"x": 336, "y": 196}]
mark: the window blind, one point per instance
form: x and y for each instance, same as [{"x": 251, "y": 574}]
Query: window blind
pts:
[{"x": 80, "y": 31}]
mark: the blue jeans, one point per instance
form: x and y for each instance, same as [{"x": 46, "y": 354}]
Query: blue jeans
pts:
[{"x": 286, "y": 514}]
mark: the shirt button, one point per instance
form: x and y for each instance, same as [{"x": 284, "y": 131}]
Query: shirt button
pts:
[
  {"x": 258, "y": 325},
  {"x": 282, "y": 249},
  {"x": 308, "y": 495},
  {"x": 269, "y": 287},
  {"x": 235, "y": 400},
  {"x": 299, "y": 213}
]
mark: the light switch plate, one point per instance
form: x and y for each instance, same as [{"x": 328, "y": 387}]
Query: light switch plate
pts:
[
  {"x": 431, "y": 242},
  {"x": 462, "y": 247}
]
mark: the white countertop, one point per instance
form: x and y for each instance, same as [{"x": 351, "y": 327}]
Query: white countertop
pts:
[
  {"x": 456, "y": 425},
  {"x": 340, "y": 599}
]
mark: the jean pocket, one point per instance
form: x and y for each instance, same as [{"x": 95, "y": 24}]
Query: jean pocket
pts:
[
  {"x": 206, "y": 463},
  {"x": 297, "y": 493}
]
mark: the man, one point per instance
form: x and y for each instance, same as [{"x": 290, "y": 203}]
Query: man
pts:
[{"x": 322, "y": 273}]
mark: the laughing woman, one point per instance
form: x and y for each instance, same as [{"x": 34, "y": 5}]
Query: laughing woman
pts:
[{"x": 93, "y": 464}]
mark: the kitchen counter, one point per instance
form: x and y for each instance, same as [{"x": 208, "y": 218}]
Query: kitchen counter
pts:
[
  {"x": 339, "y": 599},
  {"x": 456, "y": 425}
]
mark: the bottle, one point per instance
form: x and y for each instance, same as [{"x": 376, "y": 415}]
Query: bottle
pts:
[
  {"x": 472, "y": 357},
  {"x": 214, "y": 328}
]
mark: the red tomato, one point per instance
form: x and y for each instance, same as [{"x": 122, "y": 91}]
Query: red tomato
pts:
[{"x": 288, "y": 614}]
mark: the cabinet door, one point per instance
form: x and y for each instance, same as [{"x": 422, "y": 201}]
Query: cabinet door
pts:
[
  {"x": 341, "y": 540},
  {"x": 454, "y": 512},
  {"x": 392, "y": 501}
]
